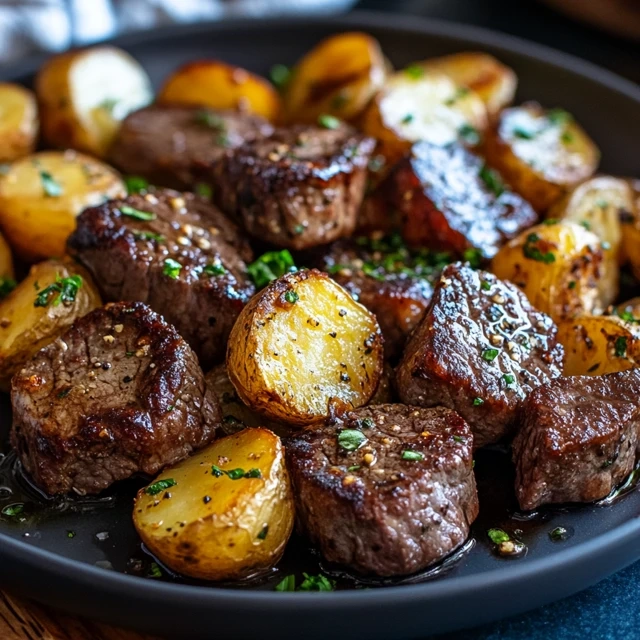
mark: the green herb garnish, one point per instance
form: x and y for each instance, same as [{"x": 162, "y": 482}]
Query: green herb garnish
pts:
[
  {"x": 148, "y": 235},
  {"x": 135, "y": 184},
  {"x": 280, "y": 75},
  {"x": 71, "y": 533},
  {"x": 477, "y": 402},
  {"x": 136, "y": 214},
  {"x": 461, "y": 92},
  {"x": 459, "y": 439},
  {"x": 210, "y": 119},
  {"x": 154, "y": 570},
  {"x": 7, "y": 285},
  {"x": 492, "y": 180},
  {"x": 485, "y": 285},
  {"x": 412, "y": 456},
  {"x": 523, "y": 134},
  {"x": 204, "y": 190},
  {"x": 160, "y": 485},
  {"x": 559, "y": 117},
  {"x": 171, "y": 268},
  {"x": 498, "y": 536},
  {"x": 469, "y": 134},
  {"x": 328, "y": 121},
  {"x": 351, "y": 439},
  {"x": 414, "y": 71},
  {"x": 270, "y": 266},
  {"x": 558, "y": 534},
  {"x": 235, "y": 474},
  {"x": 50, "y": 185},
  {"x": 620, "y": 346},
  {"x": 291, "y": 296},
  {"x": 490, "y": 354},
  {"x": 532, "y": 251},
  {"x": 286, "y": 584},
  {"x": 13, "y": 510},
  {"x": 407, "y": 119},
  {"x": 214, "y": 269},
  {"x": 509, "y": 378},
  {"x": 263, "y": 533},
  {"x": 316, "y": 583},
  {"x": 63, "y": 290},
  {"x": 473, "y": 256}
]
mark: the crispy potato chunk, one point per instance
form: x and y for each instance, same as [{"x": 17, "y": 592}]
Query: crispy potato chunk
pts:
[
  {"x": 560, "y": 266},
  {"x": 215, "y": 84},
  {"x": 595, "y": 345},
  {"x": 541, "y": 153},
  {"x": 224, "y": 514},
  {"x": 339, "y": 76},
  {"x": 41, "y": 195},
  {"x": 491, "y": 80},
  {"x": 41, "y": 308},
  {"x": 85, "y": 93},
  {"x": 18, "y": 122},
  {"x": 304, "y": 349},
  {"x": 630, "y": 218}
]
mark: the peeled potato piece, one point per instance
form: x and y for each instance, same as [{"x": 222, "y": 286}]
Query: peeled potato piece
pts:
[
  {"x": 303, "y": 349},
  {"x": 491, "y": 80},
  {"x": 41, "y": 195},
  {"x": 224, "y": 514},
  {"x": 18, "y": 122},
  {"x": 339, "y": 77},
  {"x": 215, "y": 84},
  {"x": 84, "y": 94}
]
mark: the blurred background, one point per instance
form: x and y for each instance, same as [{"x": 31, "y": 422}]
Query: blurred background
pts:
[{"x": 604, "y": 31}]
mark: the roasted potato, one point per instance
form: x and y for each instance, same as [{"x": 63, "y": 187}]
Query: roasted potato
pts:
[
  {"x": 559, "y": 266},
  {"x": 415, "y": 104},
  {"x": 595, "y": 345},
  {"x": 303, "y": 349},
  {"x": 41, "y": 195},
  {"x": 42, "y": 307},
  {"x": 630, "y": 218},
  {"x": 541, "y": 153},
  {"x": 339, "y": 77},
  {"x": 7, "y": 283},
  {"x": 18, "y": 122},
  {"x": 85, "y": 93},
  {"x": 218, "y": 85},
  {"x": 224, "y": 514},
  {"x": 492, "y": 81}
]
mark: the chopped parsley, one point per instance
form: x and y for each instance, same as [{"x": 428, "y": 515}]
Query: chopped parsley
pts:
[
  {"x": 15, "y": 510},
  {"x": 559, "y": 117},
  {"x": 316, "y": 583},
  {"x": 263, "y": 532},
  {"x": 473, "y": 256},
  {"x": 63, "y": 290},
  {"x": 477, "y": 402},
  {"x": 64, "y": 393},
  {"x": 135, "y": 184},
  {"x": 586, "y": 224},
  {"x": 509, "y": 378},
  {"x": 154, "y": 570},
  {"x": 136, "y": 214},
  {"x": 498, "y": 536},
  {"x": 7, "y": 285},
  {"x": 291, "y": 296},
  {"x": 214, "y": 269},
  {"x": 485, "y": 285},
  {"x": 407, "y": 119},
  {"x": 351, "y": 439},
  {"x": 572, "y": 284},
  {"x": 459, "y": 439},
  {"x": 353, "y": 467},
  {"x": 490, "y": 354},
  {"x": 148, "y": 235},
  {"x": 558, "y": 534},
  {"x": 50, "y": 185},
  {"x": 286, "y": 584},
  {"x": 523, "y": 134},
  {"x": 203, "y": 190},
  {"x": 625, "y": 315},
  {"x": 532, "y": 251},
  {"x": 71, "y": 533},
  {"x": 620, "y": 346},
  {"x": 235, "y": 474},
  {"x": 270, "y": 266},
  {"x": 461, "y": 92},
  {"x": 171, "y": 268},
  {"x": 492, "y": 180},
  {"x": 469, "y": 134},
  {"x": 280, "y": 75},
  {"x": 414, "y": 71},
  {"x": 209, "y": 119},
  {"x": 566, "y": 137},
  {"x": 160, "y": 485},
  {"x": 412, "y": 456},
  {"x": 328, "y": 121}
]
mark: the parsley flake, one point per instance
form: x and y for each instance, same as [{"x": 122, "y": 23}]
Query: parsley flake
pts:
[
  {"x": 490, "y": 354},
  {"x": 477, "y": 402},
  {"x": 271, "y": 266},
  {"x": 328, "y": 121},
  {"x": 498, "y": 536},
  {"x": 414, "y": 71},
  {"x": 13, "y": 510},
  {"x": 351, "y": 439},
  {"x": 291, "y": 296},
  {"x": 63, "y": 290},
  {"x": 235, "y": 474},
  {"x": 280, "y": 75},
  {"x": 171, "y": 268},
  {"x": 160, "y": 485},
  {"x": 412, "y": 456},
  {"x": 492, "y": 180},
  {"x": 316, "y": 583},
  {"x": 469, "y": 134},
  {"x": 135, "y": 184},
  {"x": 214, "y": 269},
  {"x": 50, "y": 185},
  {"x": 263, "y": 532},
  {"x": 136, "y": 214},
  {"x": 7, "y": 285},
  {"x": 620, "y": 346},
  {"x": 286, "y": 584}
]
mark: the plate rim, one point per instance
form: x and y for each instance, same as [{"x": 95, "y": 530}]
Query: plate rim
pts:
[{"x": 91, "y": 577}]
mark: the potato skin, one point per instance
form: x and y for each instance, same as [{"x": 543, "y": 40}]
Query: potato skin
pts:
[
  {"x": 19, "y": 122},
  {"x": 36, "y": 223},
  {"x": 25, "y": 328},
  {"x": 540, "y": 153},
  {"x": 303, "y": 350},
  {"x": 241, "y": 530},
  {"x": 630, "y": 218},
  {"x": 596, "y": 345},
  {"x": 215, "y": 84},
  {"x": 559, "y": 266}
]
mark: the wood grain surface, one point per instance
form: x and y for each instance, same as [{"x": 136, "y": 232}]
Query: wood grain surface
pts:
[{"x": 25, "y": 620}]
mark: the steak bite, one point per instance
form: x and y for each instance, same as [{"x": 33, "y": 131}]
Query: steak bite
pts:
[
  {"x": 480, "y": 349},
  {"x": 450, "y": 200},
  {"x": 299, "y": 188},
  {"x": 578, "y": 438},
  {"x": 120, "y": 393},
  {"x": 387, "y": 491},
  {"x": 174, "y": 251},
  {"x": 392, "y": 282},
  {"x": 171, "y": 145}
]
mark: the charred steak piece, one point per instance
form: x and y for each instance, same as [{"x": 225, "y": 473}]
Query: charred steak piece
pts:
[
  {"x": 449, "y": 200},
  {"x": 392, "y": 282},
  {"x": 174, "y": 251},
  {"x": 299, "y": 188},
  {"x": 120, "y": 393},
  {"x": 389, "y": 490},
  {"x": 170, "y": 145},
  {"x": 480, "y": 349},
  {"x": 578, "y": 438}
]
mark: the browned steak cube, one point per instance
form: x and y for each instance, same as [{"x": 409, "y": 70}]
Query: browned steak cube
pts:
[
  {"x": 578, "y": 438},
  {"x": 387, "y": 491},
  {"x": 170, "y": 145},
  {"x": 300, "y": 188},
  {"x": 174, "y": 251},
  {"x": 390, "y": 280},
  {"x": 480, "y": 349},
  {"x": 120, "y": 393},
  {"x": 449, "y": 200}
]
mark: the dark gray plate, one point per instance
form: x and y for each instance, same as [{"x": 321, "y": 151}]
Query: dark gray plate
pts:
[{"x": 39, "y": 558}]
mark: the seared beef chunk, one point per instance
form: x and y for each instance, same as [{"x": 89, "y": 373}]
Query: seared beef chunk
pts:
[
  {"x": 578, "y": 438},
  {"x": 121, "y": 392},
  {"x": 170, "y": 145},
  {"x": 389, "y": 490},
  {"x": 388, "y": 279},
  {"x": 300, "y": 188},
  {"x": 177, "y": 253},
  {"x": 480, "y": 349},
  {"x": 449, "y": 200}
]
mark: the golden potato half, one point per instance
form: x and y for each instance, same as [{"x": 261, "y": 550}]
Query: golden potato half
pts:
[
  {"x": 559, "y": 266},
  {"x": 215, "y": 84},
  {"x": 18, "y": 122},
  {"x": 224, "y": 514},
  {"x": 41, "y": 308},
  {"x": 630, "y": 219},
  {"x": 84, "y": 94},
  {"x": 303, "y": 348},
  {"x": 339, "y": 77},
  {"x": 491, "y": 80},
  {"x": 595, "y": 345},
  {"x": 41, "y": 195},
  {"x": 541, "y": 153}
]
